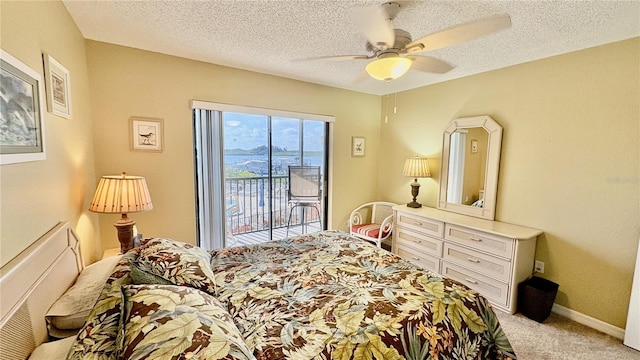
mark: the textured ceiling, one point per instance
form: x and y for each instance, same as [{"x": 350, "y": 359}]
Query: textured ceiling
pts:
[{"x": 269, "y": 36}]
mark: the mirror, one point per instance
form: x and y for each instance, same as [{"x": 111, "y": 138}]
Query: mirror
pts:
[{"x": 470, "y": 164}]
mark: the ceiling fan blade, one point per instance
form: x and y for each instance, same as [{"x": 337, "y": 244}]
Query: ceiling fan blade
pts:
[
  {"x": 362, "y": 76},
  {"x": 335, "y": 58},
  {"x": 430, "y": 64},
  {"x": 375, "y": 25},
  {"x": 460, "y": 33}
]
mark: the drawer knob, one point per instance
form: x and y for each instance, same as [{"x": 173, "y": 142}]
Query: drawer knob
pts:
[
  {"x": 475, "y": 239},
  {"x": 471, "y": 281},
  {"x": 415, "y": 258},
  {"x": 474, "y": 260},
  {"x": 417, "y": 241}
]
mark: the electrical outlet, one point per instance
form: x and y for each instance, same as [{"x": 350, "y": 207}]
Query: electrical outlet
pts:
[{"x": 539, "y": 267}]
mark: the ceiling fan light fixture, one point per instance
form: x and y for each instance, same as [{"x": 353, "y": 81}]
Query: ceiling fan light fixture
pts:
[{"x": 388, "y": 68}]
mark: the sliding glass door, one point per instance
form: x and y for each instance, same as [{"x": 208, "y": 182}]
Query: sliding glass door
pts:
[
  {"x": 253, "y": 162},
  {"x": 246, "y": 159}
]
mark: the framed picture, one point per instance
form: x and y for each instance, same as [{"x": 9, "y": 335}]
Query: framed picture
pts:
[
  {"x": 21, "y": 118},
  {"x": 146, "y": 134},
  {"x": 58, "y": 83},
  {"x": 474, "y": 146},
  {"x": 357, "y": 146}
]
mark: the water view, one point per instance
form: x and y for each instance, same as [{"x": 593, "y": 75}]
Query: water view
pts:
[
  {"x": 256, "y": 201},
  {"x": 258, "y": 164}
]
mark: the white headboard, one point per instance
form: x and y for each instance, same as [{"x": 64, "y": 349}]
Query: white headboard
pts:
[{"x": 30, "y": 283}]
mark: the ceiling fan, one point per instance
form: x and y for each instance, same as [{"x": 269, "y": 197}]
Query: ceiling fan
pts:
[{"x": 395, "y": 52}]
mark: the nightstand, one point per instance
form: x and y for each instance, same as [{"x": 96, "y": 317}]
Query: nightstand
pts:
[
  {"x": 111, "y": 252},
  {"x": 116, "y": 251}
]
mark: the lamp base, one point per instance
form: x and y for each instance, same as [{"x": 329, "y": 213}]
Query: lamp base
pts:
[
  {"x": 125, "y": 233},
  {"x": 414, "y": 204},
  {"x": 415, "y": 188}
]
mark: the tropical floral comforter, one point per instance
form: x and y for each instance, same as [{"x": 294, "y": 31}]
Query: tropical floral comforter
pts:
[{"x": 331, "y": 296}]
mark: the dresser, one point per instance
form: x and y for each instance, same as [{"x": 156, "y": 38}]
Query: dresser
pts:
[{"x": 491, "y": 257}]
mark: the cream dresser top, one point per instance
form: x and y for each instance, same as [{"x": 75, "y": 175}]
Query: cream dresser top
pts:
[{"x": 488, "y": 226}]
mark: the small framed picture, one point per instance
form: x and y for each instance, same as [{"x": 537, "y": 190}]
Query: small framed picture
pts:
[
  {"x": 357, "y": 146},
  {"x": 474, "y": 146},
  {"x": 58, "y": 84},
  {"x": 22, "y": 131},
  {"x": 146, "y": 134}
]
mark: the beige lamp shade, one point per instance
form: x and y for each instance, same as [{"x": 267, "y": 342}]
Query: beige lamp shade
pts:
[
  {"x": 388, "y": 68},
  {"x": 121, "y": 194},
  {"x": 416, "y": 167}
]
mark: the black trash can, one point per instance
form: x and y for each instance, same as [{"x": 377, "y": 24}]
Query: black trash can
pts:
[{"x": 536, "y": 297}]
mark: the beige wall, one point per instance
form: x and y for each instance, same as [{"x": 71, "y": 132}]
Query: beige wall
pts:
[
  {"x": 127, "y": 82},
  {"x": 570, "y": 162},
  {"x": 35, "y": 196}
]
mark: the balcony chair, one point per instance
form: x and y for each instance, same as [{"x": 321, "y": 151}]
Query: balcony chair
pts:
[
  {"x": 372, "y": 221},
  {"x": 304, "y": 191}
]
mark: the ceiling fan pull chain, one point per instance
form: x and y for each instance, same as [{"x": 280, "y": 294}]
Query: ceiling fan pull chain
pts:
[
  {"x": 395, "y": 102},
  {"x": 386, "y": 110}
]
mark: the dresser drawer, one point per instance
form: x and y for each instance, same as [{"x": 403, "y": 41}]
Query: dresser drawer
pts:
[
  {"x": 495, "y": 291},
  {"x": 422, "y": 260},
  {"x": 493, "y": 244},
  {"x": 427, "y": 226},
  {"x": 418, "y": 241},
  {"x": 484, "y": 264}
]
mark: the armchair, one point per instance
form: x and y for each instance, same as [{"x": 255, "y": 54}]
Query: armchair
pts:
[{"x": 372, "y": 221}]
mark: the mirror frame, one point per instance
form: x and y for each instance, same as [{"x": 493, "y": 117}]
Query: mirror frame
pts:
[{"x": 494, "y": 144}]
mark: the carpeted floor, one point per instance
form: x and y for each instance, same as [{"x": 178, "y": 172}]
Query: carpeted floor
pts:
[{"x": 560, "y": 338}]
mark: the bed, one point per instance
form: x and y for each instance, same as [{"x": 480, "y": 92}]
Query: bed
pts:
[
  {"x": 321, "y": 296},
  {"x": 325, "y": 295},
  {"x": 331, "y": 295},
  {"x": 30, "y": 284}
]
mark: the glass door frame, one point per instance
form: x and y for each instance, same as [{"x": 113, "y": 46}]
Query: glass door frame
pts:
[{"x": 209, "y": 199}]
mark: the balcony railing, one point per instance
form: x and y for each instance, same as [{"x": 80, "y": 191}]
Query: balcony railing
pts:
[{"x": 247, "y": 205}]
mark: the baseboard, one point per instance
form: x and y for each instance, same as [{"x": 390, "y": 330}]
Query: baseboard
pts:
[{"x": 589, "y": 321}]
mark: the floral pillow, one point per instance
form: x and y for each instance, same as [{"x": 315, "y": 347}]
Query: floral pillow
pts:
[
  {"x": 176, "y": 322},
  {"x": 180, "y": 263},
  {"x": 141, "y": 277}
]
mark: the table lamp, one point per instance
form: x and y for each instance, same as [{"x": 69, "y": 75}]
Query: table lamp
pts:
[
  {"x": 121, "y": 195},
  {"x": 416, "y": 167}
]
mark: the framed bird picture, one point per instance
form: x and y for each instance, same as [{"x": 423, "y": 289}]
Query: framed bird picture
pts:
[{"x": 146, "y": 134}]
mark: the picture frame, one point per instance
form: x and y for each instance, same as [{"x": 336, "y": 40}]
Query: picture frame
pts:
[
  {"x": 474, "y": 146},
  {"x": 22, "y": 137},
  {"x": 146, "y": 134},
  {"x": 357, "y": 146},
  {"x": 58, "y": 86}
]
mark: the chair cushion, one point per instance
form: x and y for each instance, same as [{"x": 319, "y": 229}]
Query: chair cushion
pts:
[{"x": 371, "y": 230}]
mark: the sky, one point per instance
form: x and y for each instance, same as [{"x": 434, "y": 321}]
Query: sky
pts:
[{"x": 245, "y": 131}]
